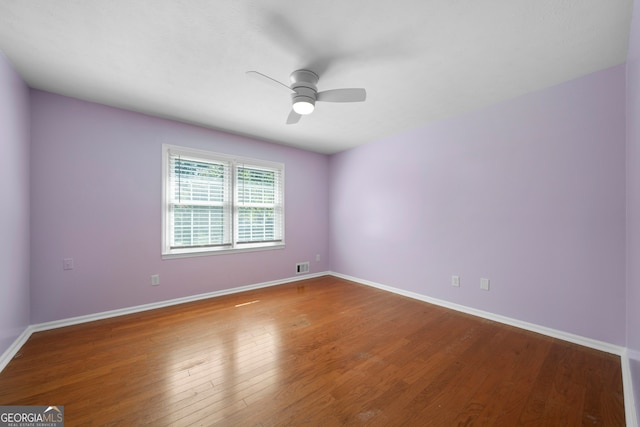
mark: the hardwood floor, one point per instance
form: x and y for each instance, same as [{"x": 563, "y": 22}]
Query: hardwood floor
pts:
[{"x": 321, "y": 351}]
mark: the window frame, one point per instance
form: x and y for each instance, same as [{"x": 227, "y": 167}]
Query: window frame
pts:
[{"x": 234, "y": 162}]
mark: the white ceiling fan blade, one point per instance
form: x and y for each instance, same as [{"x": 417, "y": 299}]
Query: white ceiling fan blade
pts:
[
  {"x": 293, "y": 118},
  {"x": 264, "y": 78},
  {"x": 343, "y": 95}
]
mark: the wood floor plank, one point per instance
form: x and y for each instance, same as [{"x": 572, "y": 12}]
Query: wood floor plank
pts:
[{"x": 321, "y": 351}]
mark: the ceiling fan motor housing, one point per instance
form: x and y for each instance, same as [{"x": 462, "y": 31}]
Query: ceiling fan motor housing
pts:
[{"x": 303, "y": 82}]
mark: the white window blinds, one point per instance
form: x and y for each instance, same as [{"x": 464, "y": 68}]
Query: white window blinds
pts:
[
  {"x": 200, "y": 202},
  {"x": 215, "y": 203},
  {"x": 258, "y": 205}
]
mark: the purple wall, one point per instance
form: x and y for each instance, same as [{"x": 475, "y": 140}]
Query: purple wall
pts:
[
  {"x": 96, "y": 198},
  {"x": 529, "y": 193},
  {"x": 14, "y": 215},
  {"x": 633, "y": 203}
]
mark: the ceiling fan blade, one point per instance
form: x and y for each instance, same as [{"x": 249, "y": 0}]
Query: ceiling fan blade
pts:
[
  {"x": 264, "y": 78},
  {"x": 293, "y": 118},
  {"x": 343, "y": 95}
]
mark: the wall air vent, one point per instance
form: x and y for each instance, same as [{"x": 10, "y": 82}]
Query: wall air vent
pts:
[{"x": 302, "y": 267}]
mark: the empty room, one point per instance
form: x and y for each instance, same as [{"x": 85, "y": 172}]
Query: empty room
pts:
[{"x": 320, "y": 213}]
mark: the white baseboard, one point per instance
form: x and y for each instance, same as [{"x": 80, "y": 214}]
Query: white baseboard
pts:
[
  {"x": 554, "y": 333},
  {"x": 627, "y": 385},
  {"x": 11, "y": 352},
  {"x": 14, "y": 348}
]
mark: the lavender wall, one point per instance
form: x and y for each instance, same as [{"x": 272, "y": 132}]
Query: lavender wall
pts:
[
  {"x": 96, "y": 198},
  {"x": 633, "y": 203},
  {"x": 529, "y": 193},
  {"x": 14, "y": 215}
]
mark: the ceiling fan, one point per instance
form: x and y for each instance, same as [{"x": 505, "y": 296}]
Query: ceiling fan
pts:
[{"x": 304, "y": 93}]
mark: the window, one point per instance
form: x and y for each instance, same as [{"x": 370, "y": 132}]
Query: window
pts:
[{"x": 218, "y": 203}]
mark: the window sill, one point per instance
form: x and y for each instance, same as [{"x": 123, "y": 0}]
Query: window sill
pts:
[{"x": 185, "y": 253}]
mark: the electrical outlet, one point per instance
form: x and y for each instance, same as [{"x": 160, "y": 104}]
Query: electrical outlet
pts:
[
  {"x": 484, "y": 284},
  {"x": 155, "y": 280},
  {"x": 455, "y": 281}
]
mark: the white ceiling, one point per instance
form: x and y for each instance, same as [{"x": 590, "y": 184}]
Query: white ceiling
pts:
[{"x": 420, "y": 60}]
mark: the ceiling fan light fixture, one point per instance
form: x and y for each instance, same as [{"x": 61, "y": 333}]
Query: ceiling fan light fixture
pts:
[{"x": 303, "y": 106}]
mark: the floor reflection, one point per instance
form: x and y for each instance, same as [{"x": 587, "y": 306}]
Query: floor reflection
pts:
[{"x": 232, "y": 364}]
